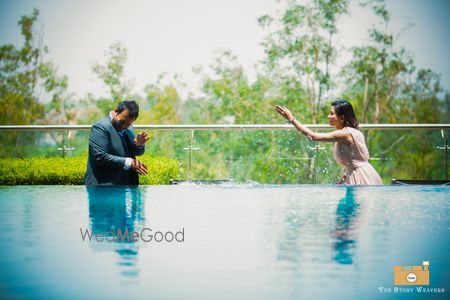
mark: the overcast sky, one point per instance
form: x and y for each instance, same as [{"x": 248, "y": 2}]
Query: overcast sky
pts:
[{"x": 175, "y": 35}]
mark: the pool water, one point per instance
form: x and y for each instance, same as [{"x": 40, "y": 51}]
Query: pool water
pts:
[{"x": 222, "y": 242}]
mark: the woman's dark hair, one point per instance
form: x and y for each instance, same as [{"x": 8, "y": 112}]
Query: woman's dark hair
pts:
[
  {"x": 344, "y": 108},
  {"x": 131, "y": 106}
]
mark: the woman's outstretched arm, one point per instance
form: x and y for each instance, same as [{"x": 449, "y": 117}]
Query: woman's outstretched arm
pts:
[{"x": 334, "y": 136}]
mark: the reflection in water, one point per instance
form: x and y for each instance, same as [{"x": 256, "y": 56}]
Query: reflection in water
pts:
[
  {"x": 304, "y": 238},
  {"x": 289, "y": 248},
  {"x": 346, "y": 227},
  {"x": 259, "y": 242},
  {"x": 114, "y": 208}
]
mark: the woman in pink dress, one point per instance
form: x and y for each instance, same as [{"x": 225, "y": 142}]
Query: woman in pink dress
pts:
[{"x": 350, "y": 148}]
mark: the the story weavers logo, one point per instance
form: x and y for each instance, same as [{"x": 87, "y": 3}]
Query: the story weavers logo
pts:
[
  {"x": 412, "y": 275},
  {"x": 412, "y": 279}
]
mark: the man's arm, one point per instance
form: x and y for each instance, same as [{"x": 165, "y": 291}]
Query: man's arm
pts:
[
  {"x": 139, "y": 143},
  {"x": 138, "y": 150},
  {"x": 98, "y": 146}
]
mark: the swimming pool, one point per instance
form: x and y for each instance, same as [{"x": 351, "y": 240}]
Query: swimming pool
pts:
[{"x": 221, "y": 242}]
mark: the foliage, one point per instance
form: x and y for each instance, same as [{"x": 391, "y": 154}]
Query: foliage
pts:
[
  {"x": 160, "y": 170},
  {"x": 71, "y": 170},
  {"x": 112, "y": 72},
  {"x": 300, "y": 49},
  {"x": 378, "y": 71},
  {"x": 298, "y": 71},
  {"x": 162, "y": 104},
  {"x": 26, "y": 78}
]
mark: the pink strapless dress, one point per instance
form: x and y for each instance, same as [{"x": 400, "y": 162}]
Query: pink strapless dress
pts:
[{"x": 355, "y": 159}]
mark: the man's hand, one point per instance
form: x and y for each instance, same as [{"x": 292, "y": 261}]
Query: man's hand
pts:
[
  {"x": 138, "y": 167},
  {"x": 141, "y": 139}
]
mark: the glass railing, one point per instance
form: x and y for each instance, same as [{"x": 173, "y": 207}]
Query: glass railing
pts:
[{"x": 274, "y": 154}]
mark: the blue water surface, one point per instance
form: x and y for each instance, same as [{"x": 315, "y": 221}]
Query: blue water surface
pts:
[{"x": 234, "y": 241}]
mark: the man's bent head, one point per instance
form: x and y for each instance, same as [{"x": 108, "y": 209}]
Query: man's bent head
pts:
[{"x": 125, "y": 114}]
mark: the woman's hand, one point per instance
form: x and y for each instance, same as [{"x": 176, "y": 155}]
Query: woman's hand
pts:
[
  {"x": 286, "y": 113},
  {"x": 342, "y": 180}
]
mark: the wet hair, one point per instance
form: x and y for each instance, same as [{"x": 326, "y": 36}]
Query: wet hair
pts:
[
  {"x": 344, "y": 108},
  {"x": 131, "y": 106}
]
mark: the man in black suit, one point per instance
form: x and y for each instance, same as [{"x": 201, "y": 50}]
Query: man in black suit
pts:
[{"x": 113, "y": 148}]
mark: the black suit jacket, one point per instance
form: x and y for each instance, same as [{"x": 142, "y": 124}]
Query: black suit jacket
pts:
[{"x": 107, "y": 153}]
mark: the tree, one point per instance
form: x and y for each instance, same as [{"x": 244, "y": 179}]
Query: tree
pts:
[
  {"x": 377, "y": 72},
  {"x": 300, "y": 49},
  {"x": 112, "y": 75},
  {"x": 27, "y": 80}
]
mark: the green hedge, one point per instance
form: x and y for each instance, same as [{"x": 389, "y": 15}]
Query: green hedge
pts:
[{"x": 71, "y": 170}]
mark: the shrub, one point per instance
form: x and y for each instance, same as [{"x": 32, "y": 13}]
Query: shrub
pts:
[{"x": 71, "y": 170}]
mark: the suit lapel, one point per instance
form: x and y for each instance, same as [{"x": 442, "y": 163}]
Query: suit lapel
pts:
[
  {"x": 126, "y": 142},
  {"x": 117, "y": 143},
  {"x": 121, "y": 144}
]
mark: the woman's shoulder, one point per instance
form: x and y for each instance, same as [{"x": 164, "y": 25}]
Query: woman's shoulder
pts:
[
  {"x": 342, "y": 131},
  {"x": 352, "y": 130},
  {"x": 355, "y": 133}
]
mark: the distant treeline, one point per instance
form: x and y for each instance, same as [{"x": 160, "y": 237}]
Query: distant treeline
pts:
[{"x": 299, "y": 71}]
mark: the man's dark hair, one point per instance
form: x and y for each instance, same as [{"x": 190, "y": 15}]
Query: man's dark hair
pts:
[
  {"x": 344, "y": 108},
  {"x": 131, "y": 106}
]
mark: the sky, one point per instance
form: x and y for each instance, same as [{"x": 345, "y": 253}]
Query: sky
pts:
[{"x": 173, "y": 36}]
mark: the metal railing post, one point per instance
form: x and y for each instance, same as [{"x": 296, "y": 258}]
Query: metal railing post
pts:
[
  {"x": 446, "y": 147},
  {"x": 64, "y": 149},
  {"x": 189, "y": 148}
]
